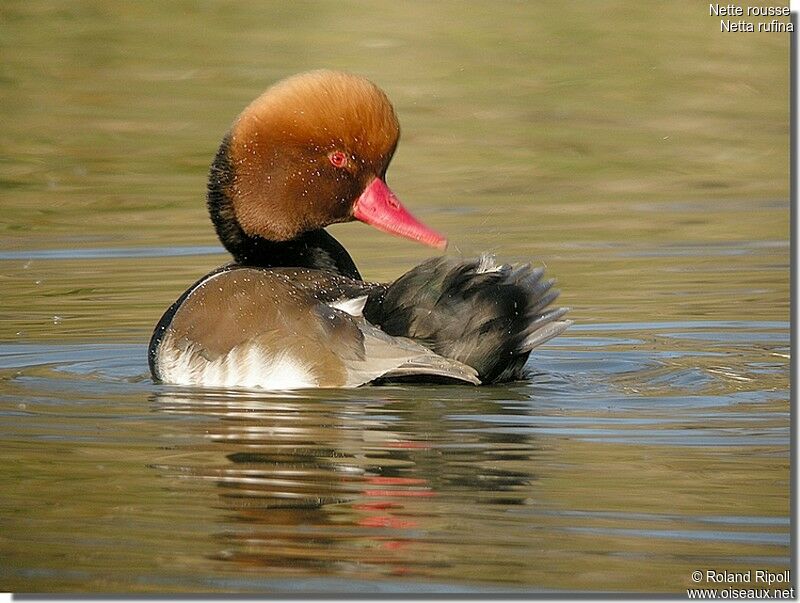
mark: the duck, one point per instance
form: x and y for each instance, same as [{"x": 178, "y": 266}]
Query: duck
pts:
[{"x": 291, "y": 310}]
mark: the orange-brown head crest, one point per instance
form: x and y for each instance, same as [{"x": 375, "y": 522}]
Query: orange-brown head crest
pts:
[{"x": 303, "y": 151}]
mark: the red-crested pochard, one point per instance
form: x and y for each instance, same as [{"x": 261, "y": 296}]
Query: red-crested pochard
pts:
[{"x": 292, "y": 310}]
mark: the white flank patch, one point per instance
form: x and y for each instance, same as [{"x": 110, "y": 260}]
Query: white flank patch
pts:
[
  {"x": 353, "y": 306},
  {"x": 247, "y": 365},
  {"x": 487, "y": 263}
]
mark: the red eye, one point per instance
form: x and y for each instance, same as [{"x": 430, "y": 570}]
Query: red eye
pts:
[{"x": 338, "y": 158}]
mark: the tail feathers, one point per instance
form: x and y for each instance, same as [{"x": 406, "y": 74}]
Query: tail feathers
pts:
[
  {"x": 481, "y": 314},
  {"x": 540, "y": 322},
  {"x": 545, "y": 334},
  {"x": 528, "y": 277},
  {"x": 542, "y": 296}
]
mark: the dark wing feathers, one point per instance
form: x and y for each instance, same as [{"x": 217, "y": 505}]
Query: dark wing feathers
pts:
[{"x": 486, "y": 316}]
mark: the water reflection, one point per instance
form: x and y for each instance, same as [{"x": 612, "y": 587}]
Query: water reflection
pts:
[
  {"x": 310, "y": 484},
  {"x": 636, "y": 452}
]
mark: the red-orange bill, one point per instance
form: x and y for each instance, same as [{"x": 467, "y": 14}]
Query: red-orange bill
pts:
[{"x": 379, "y": 207}]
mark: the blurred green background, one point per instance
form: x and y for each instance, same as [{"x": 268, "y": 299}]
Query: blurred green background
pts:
[{"x": 536, "y": 130}]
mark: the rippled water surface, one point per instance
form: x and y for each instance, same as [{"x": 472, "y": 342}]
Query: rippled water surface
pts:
[{"x": 638, "y": 153}]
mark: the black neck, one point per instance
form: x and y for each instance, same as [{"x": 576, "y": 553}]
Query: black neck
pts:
[{"x": 314, "y": 249}]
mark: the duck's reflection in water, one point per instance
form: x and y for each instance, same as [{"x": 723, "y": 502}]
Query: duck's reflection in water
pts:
[{"x": 385, "y": 482}]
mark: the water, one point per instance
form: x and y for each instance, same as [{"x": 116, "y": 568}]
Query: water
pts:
[{"x": 650, "y": 176}]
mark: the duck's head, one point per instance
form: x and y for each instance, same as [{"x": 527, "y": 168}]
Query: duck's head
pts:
[{"x": 310, "y": 151}]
